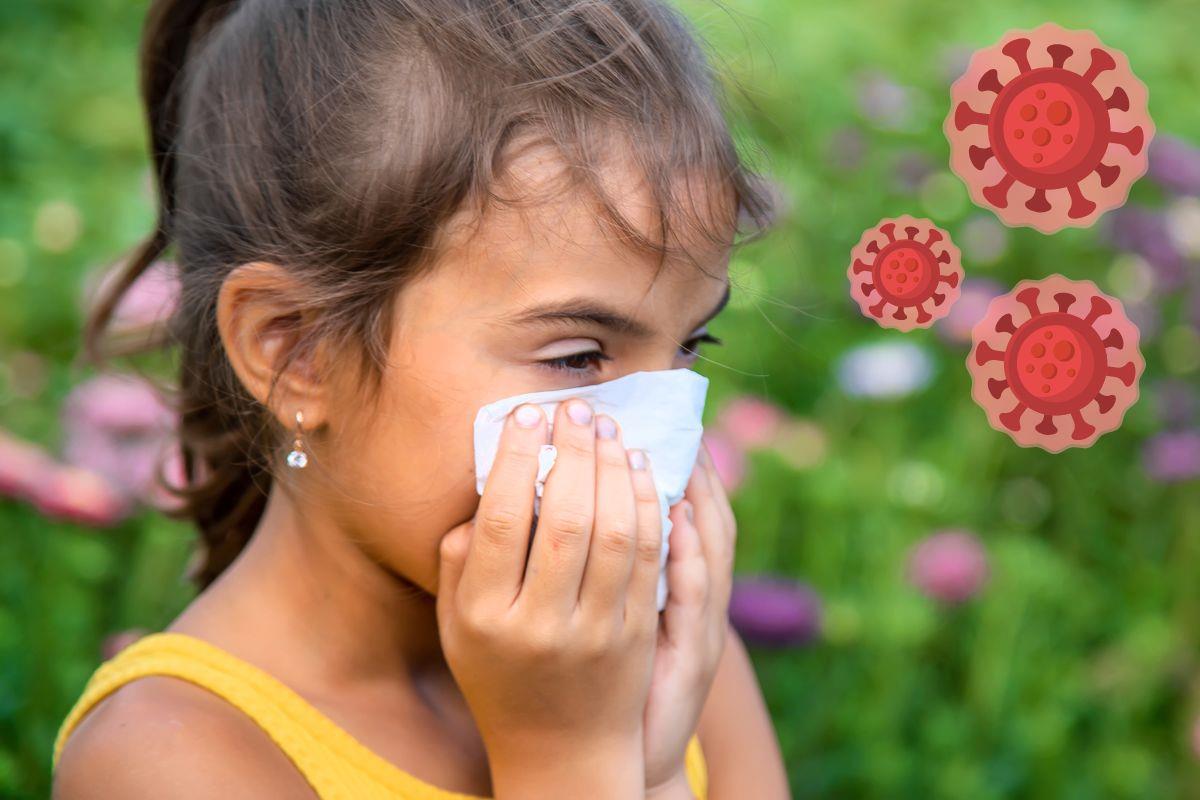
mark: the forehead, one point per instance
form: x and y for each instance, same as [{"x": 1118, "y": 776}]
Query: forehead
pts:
[{"x": 552, "y": 239}]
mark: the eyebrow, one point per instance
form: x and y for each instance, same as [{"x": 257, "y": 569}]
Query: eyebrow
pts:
[{"x": 587, "y": 310}]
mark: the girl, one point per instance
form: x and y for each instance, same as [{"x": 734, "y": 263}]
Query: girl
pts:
[{"x": 386, "y": 214}]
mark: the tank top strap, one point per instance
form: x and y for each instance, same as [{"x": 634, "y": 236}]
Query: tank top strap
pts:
[{"x": 335, "y": 764}]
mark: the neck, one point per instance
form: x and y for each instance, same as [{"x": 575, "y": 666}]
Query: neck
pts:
[{"x": 308, "y": 600}]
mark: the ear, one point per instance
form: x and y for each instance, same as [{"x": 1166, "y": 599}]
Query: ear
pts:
[{"x": 260, "y": 316}]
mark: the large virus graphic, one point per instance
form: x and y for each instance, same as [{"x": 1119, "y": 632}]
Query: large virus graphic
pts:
[
  {"x": 1055, "y": 363},
  {"x": 1048, "y": 128},
  {"x": 904, "y": 273}
]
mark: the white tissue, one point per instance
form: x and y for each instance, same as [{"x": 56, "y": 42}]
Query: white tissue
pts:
[{"x": 659, "y": 411}]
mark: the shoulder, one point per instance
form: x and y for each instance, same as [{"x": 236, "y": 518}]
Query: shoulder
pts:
[
  {"x": 736, "y": 734},
  {"x": 158, "y": 736}
]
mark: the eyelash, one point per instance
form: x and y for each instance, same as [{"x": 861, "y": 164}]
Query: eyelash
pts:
[{"x": 564, "y": 363}]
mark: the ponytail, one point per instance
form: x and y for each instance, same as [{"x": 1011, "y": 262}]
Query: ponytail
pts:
[{"x": 170, "y": 29}]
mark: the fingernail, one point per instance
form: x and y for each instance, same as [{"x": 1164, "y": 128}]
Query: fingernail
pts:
[
  {"x": 528, "y": 416},
  {"x": 579, "y": 412},
  {"x": 687, "y": 509},
  {"x": 637, "y": 459},
  {"x": 606, "y": 428}
]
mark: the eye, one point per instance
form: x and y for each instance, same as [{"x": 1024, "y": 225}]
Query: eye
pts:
[{"x": 589, "y": 360}]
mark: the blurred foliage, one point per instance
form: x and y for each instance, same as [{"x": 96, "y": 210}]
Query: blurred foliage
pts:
[{"x": 1073, "y": 676}]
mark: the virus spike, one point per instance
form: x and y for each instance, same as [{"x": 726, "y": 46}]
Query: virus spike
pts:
[
  {"x": 1118, "y": 100},
  {"x": 998, "y": 195},
  {"x": 1029, "y": 299},
  {"x": 1018, "y": 51},
  {"x": 1038, "y": 202},
  {"x": 1047, "y": 427},
  {"x": 898, "y": 267},
  {"x": 1012, "y": 419},
  {"x": 1048, "y": 128},
  {"x": 1059, "y": 53},
  {"x": 990, "y": 82},
  {"x": 1055, "y": 364},
  {"x": 980, "y": 156},
  {"x": 985, "y": 353},
  {"x": 1080, "y": 205},
  {"x": 1102, "y": 61},
  {"x": 965, "y": 117},
  {"x": 1126, "y": 373},
  {"x": 1100, "y": 307},
  {"x": 1132, "y": 139},
  {"x": 1108, "y": 174},
  {"x": 1083, "y": 429}
]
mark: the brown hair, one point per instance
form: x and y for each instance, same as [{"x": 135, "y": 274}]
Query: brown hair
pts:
[{"x": 333, "y": 137}]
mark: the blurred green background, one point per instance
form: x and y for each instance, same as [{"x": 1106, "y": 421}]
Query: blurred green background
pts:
[{"x": 1070, "y": 673}]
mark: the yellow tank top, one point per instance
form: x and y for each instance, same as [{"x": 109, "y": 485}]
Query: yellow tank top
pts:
[{"x": 335, "y": 764}]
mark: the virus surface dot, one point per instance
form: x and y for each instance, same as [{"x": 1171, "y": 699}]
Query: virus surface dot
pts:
[
  {"x": 1049, "y": 128},
  {"x": 905, "y": 273},
  {"x": 1055, "y": 363}
]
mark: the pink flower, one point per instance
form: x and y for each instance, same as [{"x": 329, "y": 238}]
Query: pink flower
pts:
[
  {"x": 120, "y": 427},
  {"x": 949, "y": 566},
  {"x": 1196, "y": 738},
  {"x": 750, "y": 422},
  {"x": 151, "y": 299},
  {"x": 727, "y": 458},
  {"x": 80, "y": 496},
  {"x": 23, "y": 467}
]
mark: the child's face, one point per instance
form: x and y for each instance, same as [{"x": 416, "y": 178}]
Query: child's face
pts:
[{"x": 408, "y": 471}]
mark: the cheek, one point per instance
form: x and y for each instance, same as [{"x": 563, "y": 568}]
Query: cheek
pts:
[{"x": 406, "y": 476}]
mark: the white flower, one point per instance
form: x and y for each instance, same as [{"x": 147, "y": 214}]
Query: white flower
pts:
[{"x": 887, "y": 369}]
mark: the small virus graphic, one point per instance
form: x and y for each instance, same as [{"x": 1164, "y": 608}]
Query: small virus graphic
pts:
[
  {"x": 1057, "y": 113},
  {"x": 909, "y": 266},
  {"x": 1031, "y": 364}
]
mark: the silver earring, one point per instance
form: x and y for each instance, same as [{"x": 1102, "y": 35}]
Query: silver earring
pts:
[{"x": 298, "y": 459}]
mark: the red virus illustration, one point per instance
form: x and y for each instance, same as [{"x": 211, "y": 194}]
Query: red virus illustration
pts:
[
  {"x": 905, "y": 272},
  {"x": 1048, "y": 128},
  {"x": 1055, "y": 349}
]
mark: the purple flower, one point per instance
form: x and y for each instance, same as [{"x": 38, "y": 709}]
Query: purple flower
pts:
[
  {"x": 120, "y": 427},
  {"x": 1140, "y": 230},
  {"x": 775, "y": 611},
  {"x": 973, "y": 301},
  {"x": 1174, "y": 164},
  {"x": 1173, "y": 456},
  {"x": 949, "y": 566},
  {"x": 1176, "y": 402},
  {"x": 911, "y": 169},
  {"x": 151, "y": 299},
  {"x": 885, "y": 102},
  {"x": 847, "y": 147}
]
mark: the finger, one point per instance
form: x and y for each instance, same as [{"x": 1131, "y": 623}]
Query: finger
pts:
[
  {"x": 711, "y": 526},
  {"x": 641, "y": 599},
  {"x": 564, "y": 529},
  {"x": 452, "y": 556},
  {"x": 687, "y": 575},
  {"x": 614, "y": 534},
  {"x": 719, "y": 491},
  {"x": 496, "y": 556}
]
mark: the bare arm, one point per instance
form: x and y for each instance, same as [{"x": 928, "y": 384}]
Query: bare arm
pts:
[{"x": 736, "y": 734}]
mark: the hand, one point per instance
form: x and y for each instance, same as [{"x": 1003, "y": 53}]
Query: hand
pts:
[
  {"x": 692, "y": 632},
  {"x": 554, "y": 656}
]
